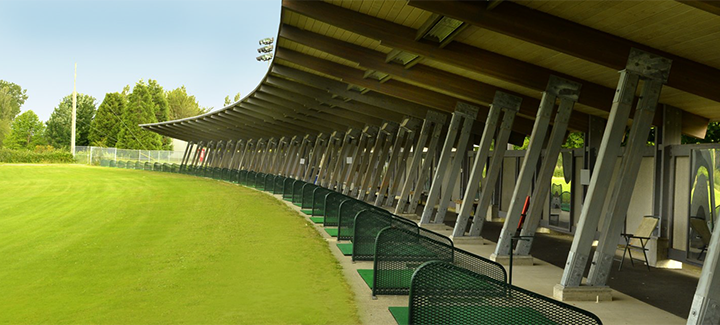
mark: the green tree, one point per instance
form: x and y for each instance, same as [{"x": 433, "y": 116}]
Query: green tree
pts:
[
  {"x": 161, "y": 108},
  {"x": 27, "y": 131},
  {"x": 12, "y": 97},
  {"x": 59, "y": 123},
  {"x": 235, "y": 100},
  {"x": 140, "y": 109},
  {"x": 106, "y": 126},
  {"x": 183, "y": 105}
]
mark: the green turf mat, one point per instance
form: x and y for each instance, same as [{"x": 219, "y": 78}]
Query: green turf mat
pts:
[
  {"x": 345, "y": 248},
  {"x": 308, "y": 212},
  {"x": 317, "y": 219},
  {"x": 489, "y": 314},
  {"x": 401, "y": 314},
  {"x": 297, "y": 204},
  {"x": 367, "y": 276},
  {"x": 333, "y": 233}
]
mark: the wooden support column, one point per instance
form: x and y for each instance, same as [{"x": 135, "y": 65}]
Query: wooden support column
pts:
[
  {"x": 329, "y": 158},
  {"x": 313, "y": 163},
  {"x": 640, "y": 64},
  {"x": 446, "y": 174},
  {"x": 296, "y": 168},
  {"x": 358, "y": 160},
  {"x": 377, "y": 160}
]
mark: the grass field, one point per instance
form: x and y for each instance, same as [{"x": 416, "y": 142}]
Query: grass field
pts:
[{"x": 99, "y": 245}]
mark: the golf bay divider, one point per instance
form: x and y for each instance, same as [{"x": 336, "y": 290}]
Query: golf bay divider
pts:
[
  {"x": 331, "y": 206},
  {"x": 367, "y": 225},
  {"x": 348, "y": 209},
  {"x": 306, "y": 198},
  {"x": 318, "y": 202},
  {"x": 442, "y": 293},
  {"x": 279, "y": 183}
]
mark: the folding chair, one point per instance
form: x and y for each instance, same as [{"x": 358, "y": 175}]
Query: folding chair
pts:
[
  {"x": 700, "y": 227},
  {"x": 639, "y": 240}
]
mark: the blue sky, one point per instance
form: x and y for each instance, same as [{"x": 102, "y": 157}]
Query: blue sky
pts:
[{"x": 208, "y": 46}]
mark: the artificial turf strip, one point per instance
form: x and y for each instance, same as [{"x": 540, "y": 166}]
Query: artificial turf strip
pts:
[
  {"x": 401, "y": 314},
  {"x": 333, "y": 232},
  {"x": 367, "y": 275},
  {"x": 308, "y": 212},
  {"x": 345, "y": 248},
  {"x": 317, "y": 219},
  {"x": 115, "y": 246}
]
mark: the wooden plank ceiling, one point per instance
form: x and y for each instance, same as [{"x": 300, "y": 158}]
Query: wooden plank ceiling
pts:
[{"x": 344, "y": 63}]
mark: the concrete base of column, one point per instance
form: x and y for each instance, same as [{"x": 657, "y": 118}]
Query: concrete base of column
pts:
[
  {"x": 435, "y": 226},
  {"x": 582, "y": 293},
  {"x": 468, "y": 240},
  {"x": 518, "y": 260}
]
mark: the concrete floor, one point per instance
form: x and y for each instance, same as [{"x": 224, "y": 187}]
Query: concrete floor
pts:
[{"x": 541, "y": 277}]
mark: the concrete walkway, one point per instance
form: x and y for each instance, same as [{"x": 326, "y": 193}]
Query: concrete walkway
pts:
[{"x": 540, "y": 278}]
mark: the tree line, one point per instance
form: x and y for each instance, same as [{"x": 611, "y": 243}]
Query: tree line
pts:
[{"x": 112, "y": 124}]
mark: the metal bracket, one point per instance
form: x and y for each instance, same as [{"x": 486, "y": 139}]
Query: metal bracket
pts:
[
  {"x": 436, "y": 117},
  {"x": 389, "y": 127},
  {"x": 564, "y": 88},
  {"x": 648, "y": 65},
  {"x": 466, "y": 110},
  {"x": 411, "y": 124},
  {"x": 507, "y": 101}
]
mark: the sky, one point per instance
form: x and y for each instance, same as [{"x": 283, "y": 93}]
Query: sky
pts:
[{"x": 208, "y": 46}]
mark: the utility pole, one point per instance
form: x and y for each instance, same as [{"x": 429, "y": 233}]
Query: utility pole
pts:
[{"x": 72, "y": 130}]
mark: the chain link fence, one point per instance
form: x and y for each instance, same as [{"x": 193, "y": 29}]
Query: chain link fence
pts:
[{"x": 102, "y": 156}]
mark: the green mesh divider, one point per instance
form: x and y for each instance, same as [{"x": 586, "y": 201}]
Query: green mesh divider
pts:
[
  {"x": 442, "y": 293},
  {"x": 287, "y": 189},
  {"x": 175, "y": 168},
  {"x": 250, "y": 178},
  {"x": 332, "y": 202},
  {"x": 157, "y": 166},
  {"x": 112, "y": 163},
  {"x": 242, "y": 177},
  {"x": 120, "y": 164},
  {"x": 279, "y": 182},
  {"x": 346, "y": 216},
  {"x": 297, "y": 191},
  {"x": 306, "y": 200},
  {"x": 148, "y": 166},
  {"x": 479, "y": 265},
  {"x": 269, "y": 182},
  {"x": 368, "y": 224},
  {"x": 138, "y": 165},
  {"x": 260, "y": 181},
  {"x": 318, "y": 201},
  {"x": 398, "y": 252}
]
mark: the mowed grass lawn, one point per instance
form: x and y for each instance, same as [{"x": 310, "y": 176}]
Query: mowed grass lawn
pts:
[{"x": 102, "y": 245}]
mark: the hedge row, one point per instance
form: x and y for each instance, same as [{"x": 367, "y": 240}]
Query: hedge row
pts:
[{"x": 29, "y": 157}]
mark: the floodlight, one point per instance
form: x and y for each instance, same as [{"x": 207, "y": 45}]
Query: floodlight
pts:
[
  {"x": 264, "y": 57},
  {"x": 265, "y": 49},
  {"x": 267, "y": 41}
]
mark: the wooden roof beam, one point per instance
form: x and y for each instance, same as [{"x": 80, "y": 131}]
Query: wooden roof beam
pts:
[
  {"x": 310, "y": 116},
  {"x": 393, "y": 88},
  {"x": 468, "y": 89},
  {"x": 575, "y": 39},
  {"x": 460, "y": 55},
  {"x": 711, "y": 6}
]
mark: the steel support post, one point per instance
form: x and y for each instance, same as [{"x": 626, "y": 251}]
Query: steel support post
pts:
[
  {"x": 705, "y": 308},
  {"x": 366, "y": 172},
  {"x": 351, "y": 138},
  {"x": 210, "y": 155},
  {"x": 237, "y": 153},
  {"x": 329, "y": 157},
  {"x": 500, "y": 101},
  {"x": 396, "y": 166},
  {"x": 538, "y": 199},
  {"x": 247, "y": 153},
  {"x": 461, "y": 122},
  {"x": 568, "y": 92},
  {"x": 257, "y": 154},
  {"x": 493, "y": 171},
  {"x": 637, "y": 64},
  {"x": 616, "y": 210},
  {"x": 401, "y": 171},
  {"x": 370, "y": 135},
  {"x": 357, "y": 158},
  {"x": 295, "y": 169},
  {"x": 314, "y": 159},
  {"x": 196, "y": 154},
  {"x": 292, "y": 151},
  {"x": 186, "y": 154},
  {"x": 279, "y": 156},
  {"x": 432, "y": 127},
  {"x": 391, "y": 130},
  {"x": 266, "y": 164}
]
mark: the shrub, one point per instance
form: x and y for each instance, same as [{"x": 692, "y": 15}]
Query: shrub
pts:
[{"x": 44, "y": 155}]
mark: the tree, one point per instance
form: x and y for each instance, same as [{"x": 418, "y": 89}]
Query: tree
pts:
[
  {"x": 182, "y": 105},
  {"x": 12, "y": 97},
  {"x": 27, "y": 131},
  {"x": 59, "y": 123},
  {"x": 106, "y": 126},
  {"x": 140, "y": 109},
  {"x": 235, "y": 100},
  {"x": 161, "y": 109}
]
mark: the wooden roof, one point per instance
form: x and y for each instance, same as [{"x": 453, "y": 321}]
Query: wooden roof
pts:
[{"x": 341, "y": 64}]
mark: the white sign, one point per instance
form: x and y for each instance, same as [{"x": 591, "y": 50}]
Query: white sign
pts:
[
  {"x": 302, "y": 161},
  {"x": 349, "y": 160}
]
